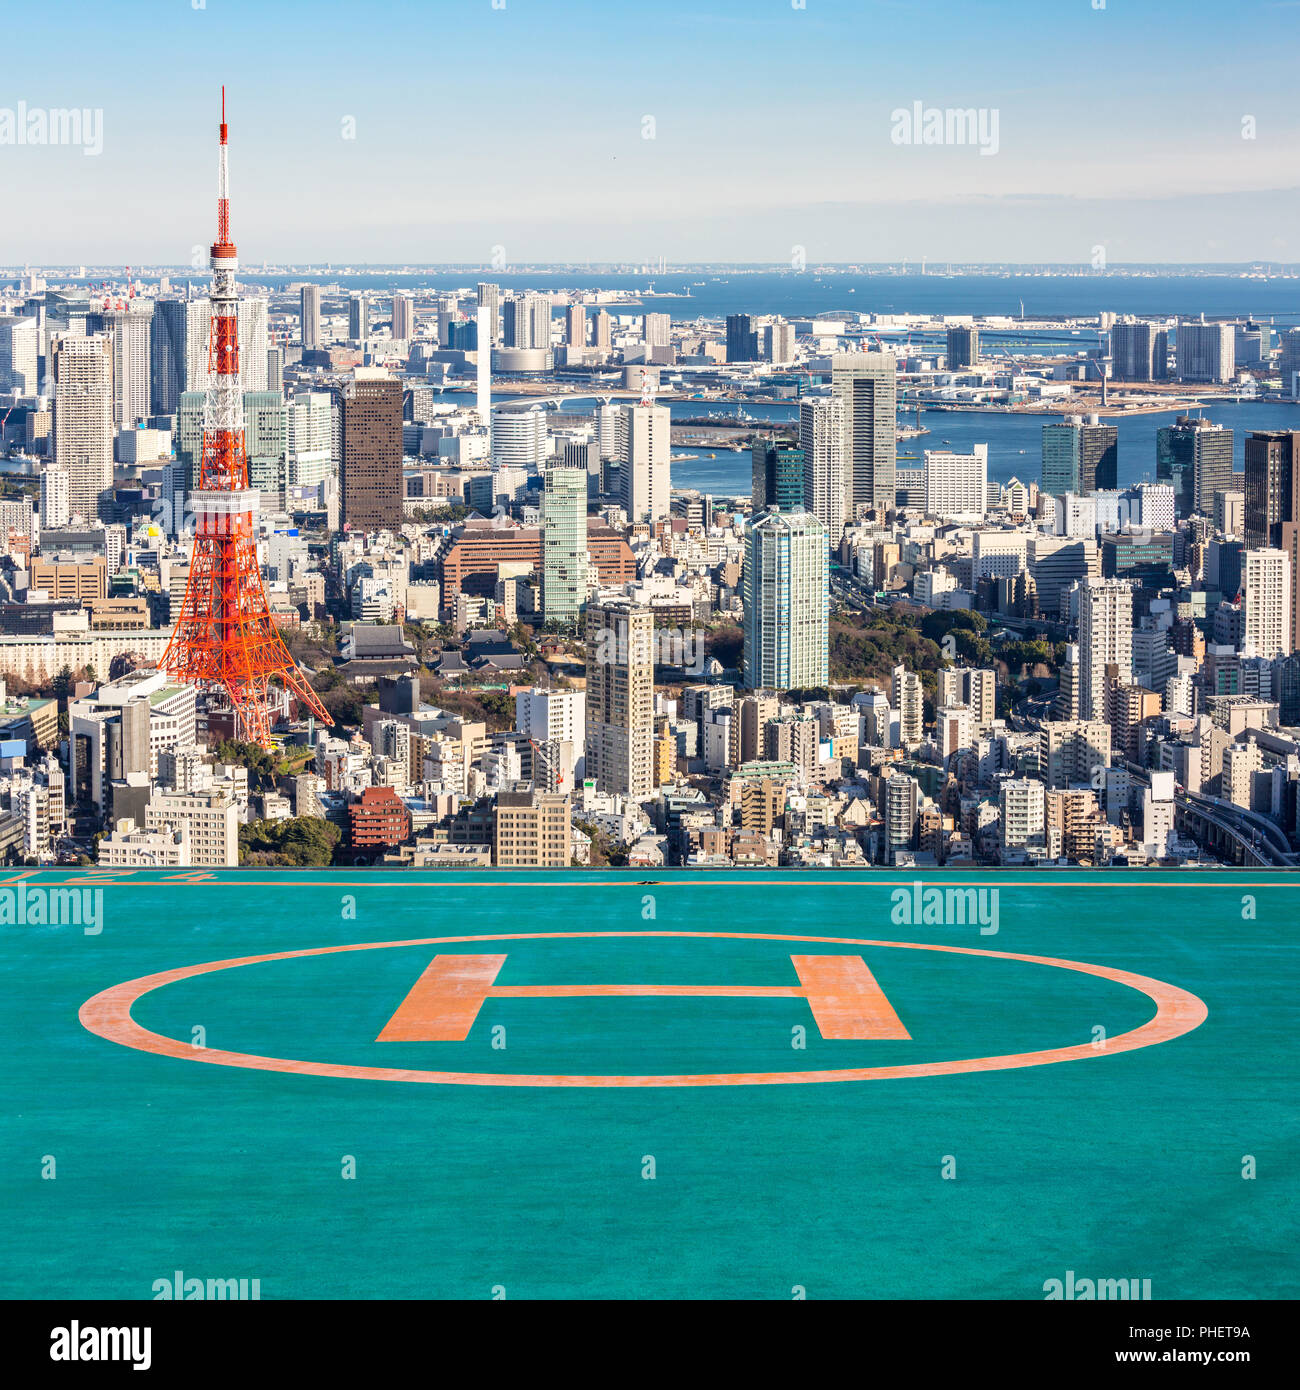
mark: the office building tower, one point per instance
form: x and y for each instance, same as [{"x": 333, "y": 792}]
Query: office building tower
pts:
[
  {"x": 358, "y": 317},
  {"x": 1195, "y": 458},
  {"x": 309, "y": 438},
  {"x": 645, "y": 456},
  {"x": 309, "y": 316},
  {"x": 1266, "y": 603},
  {"x": 963, "y": 346},
  {"x": 519, "y": 438},
  {"x": 489, "y": 297},
  {"x": 742, "y": 340},
  {"x": 403, "y": 317},
  {"x": 656, "y": 329},
  {"x": 1139, "y": 352},
  {"x": 620, "y": 697},
  {"x": 83, "y": 423},
  {"x": 776, "y": 477},
  {"x": 266, "y": 446},
  {"x": 18, "y": 355},
  {"x": 1205, "y": 352},
  {"x": 956, "y": 485},
  {"x": 129, "y": 327},
  {"x": 1272, "y": 485},
  {"x": 370, "y": 473},
  {"x": 575, "y": 325},
  {"x": 821, "y": 446},
  {"x": 182, "y": 349},
  {"x": 275, "y": 369},
  {"x": 564, "y": 543},
  {"x": 1105, "y": 639},
  {"x": 1080, "y": 456},
  {"x": 786, "y": 586},
  {"x": 1289, "y": 363},
  {"x": 866, "y": 385}
]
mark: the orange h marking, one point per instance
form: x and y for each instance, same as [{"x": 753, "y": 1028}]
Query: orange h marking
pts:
[{"x": 846, "y": 1001}]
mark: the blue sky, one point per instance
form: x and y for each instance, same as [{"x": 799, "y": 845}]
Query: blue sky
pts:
[{"x": 523, "y": 127}]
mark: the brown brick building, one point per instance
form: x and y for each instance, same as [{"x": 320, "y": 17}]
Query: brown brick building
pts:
[{"x": 379, "y": 820}]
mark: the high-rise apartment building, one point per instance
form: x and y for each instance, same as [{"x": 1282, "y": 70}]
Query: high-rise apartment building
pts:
[
  {"x": 489, "y": 297},
  {"x": 575, "y": 325},
  {"x": 309, "y": 316},
  {"x": 656, "y": 329},
  {"x": 907, "y": 698},
  {"x": 370, "y": 474},
  {"x": 821, "y": 445},
  {"x": 130, "y": 329},
  {"x": 972, "y": 686},
  {"x": 1206, "y": 352},
  {"x": 83, "y": 423},
  {"x": 1105, "y": 639},
  {"x": 564, "y": 543},
  {"x": 18, "y": 366},
  {"x": 786, "y": 586},
  {"x": 403, "y": 324},
  {"x": 866, "y": 384},
  {"x": 620, "y": 697},
  {"x": 358, "y": 317},
  {"x": 1266, "y": 603},
  {"x": 1139, "y": 352},
  {"x": 645, "y": 456}
]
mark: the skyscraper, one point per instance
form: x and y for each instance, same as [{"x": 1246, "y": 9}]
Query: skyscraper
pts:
[
  {"x": 371, "y": 465},
  {"x": 18, "y": 338},
  {"x": 575, "y": 325},
  {"x": 1139, "y": 352},
  {"x": 1272, "y": 484},
  {"x": 1105, "y": 639},
  {"x": 266, "y": 446},
  {"x": 645, "y": 457},
  {"x": 742, "y": 341},
  {"x": 1206, "y": 352},
  {"x": 656, "y": 329},
  {"x": 1289, "y": 363},
  {"x": 309, "y": 316},
  {"x": 1080, "y": 457},
  {"x": 866, "y": 384},
  {"x": 963, "y": 346},
  {"x": 1266, "y": 603},
  {"x": 776, "y": 477},
  {"x": 129, "y": 327},
  {"x": 620, "y": 697},
  {"x": 359, "y": 317},
  {"x": 602, "y": 329},
  {"x": 489, "y": 297},
  {"x": 309, "y": 442},
  {"x": 786, "y": 586},
  {"x": 564, "y": 542},
  {"x": 821, "y": 445},
  {"x": 403, "y": 317},
  {"x": 1195, "y": 457},
  {"x": 83, "y": 423}
]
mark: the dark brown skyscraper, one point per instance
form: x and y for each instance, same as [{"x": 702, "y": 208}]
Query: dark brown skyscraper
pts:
[
  {"x": 1272, "y": 457},
  {"x": 371, "y": 465}
]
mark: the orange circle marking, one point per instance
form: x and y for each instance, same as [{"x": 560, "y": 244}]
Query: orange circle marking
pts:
[{"x": 109, "y": 1015}]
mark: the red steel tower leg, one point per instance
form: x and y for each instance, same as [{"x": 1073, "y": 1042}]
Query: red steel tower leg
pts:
[{"x": 224, "y": 638}]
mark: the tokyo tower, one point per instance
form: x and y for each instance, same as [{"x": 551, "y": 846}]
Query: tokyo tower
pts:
[{"x": 224, "y": 639}]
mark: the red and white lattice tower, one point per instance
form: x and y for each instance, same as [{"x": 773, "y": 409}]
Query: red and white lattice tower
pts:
[{"x": 224, "y": 639}]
